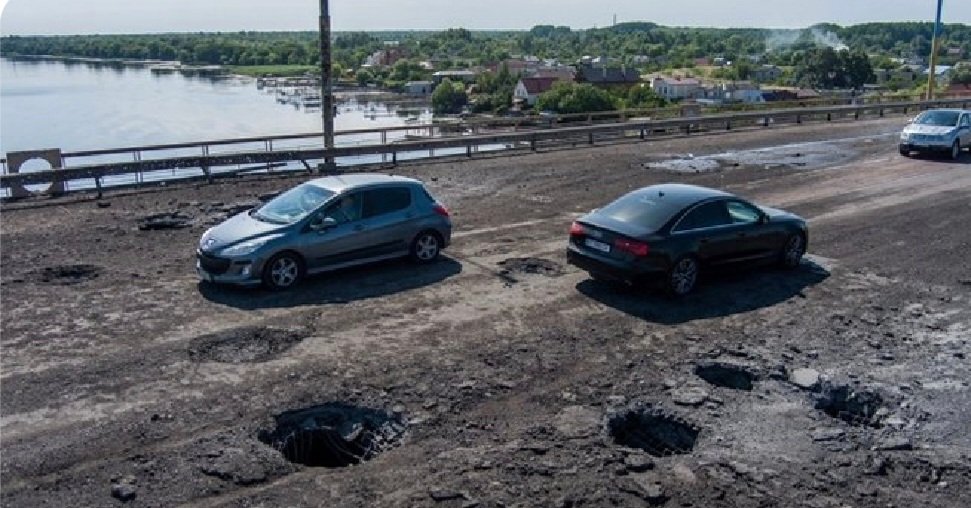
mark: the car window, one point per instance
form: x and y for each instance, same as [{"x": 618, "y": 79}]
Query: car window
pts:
[
  {"x": 965, "y": 121},
  {"x": 347, "y": 208},
  {"x": 639, "y": 208},
  {"x": 742, "y": 213},
  {"x": 938, "y": 118},
  {"x": 384, "y": 201},
  {"x": 293, "y": 205},
  {"x": 705, "y": 216}
]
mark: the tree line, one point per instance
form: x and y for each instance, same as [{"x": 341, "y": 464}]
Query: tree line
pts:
[{"x": 643, "y": 44}]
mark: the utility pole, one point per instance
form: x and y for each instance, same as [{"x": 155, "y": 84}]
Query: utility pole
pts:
[
  {"x": 932, "y": 79},
  {"x": 326, "y": 78}
]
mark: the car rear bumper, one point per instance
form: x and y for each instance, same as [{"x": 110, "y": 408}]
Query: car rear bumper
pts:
[{"x": 611, "y": 268}]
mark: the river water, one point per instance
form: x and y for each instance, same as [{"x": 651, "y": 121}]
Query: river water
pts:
[{"x": 87, "y": 106}]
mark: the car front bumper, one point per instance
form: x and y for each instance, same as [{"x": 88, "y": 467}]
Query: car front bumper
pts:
[
  {"x": 243, "y": 272},
  {"x": 922, "y": 145}
]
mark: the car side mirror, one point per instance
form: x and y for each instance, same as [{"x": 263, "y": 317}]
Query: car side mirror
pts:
[
  {"x": 764, "y": 219},
  {"x": 324, "y": 224}
]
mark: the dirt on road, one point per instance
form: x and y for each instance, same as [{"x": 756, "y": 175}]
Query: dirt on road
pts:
[{"x": 501, "y": 376}]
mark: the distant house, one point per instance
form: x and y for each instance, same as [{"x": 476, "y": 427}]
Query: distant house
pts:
[
  {"x": 528, "y": 90},
  {"x": 702, "y": 62},
  {"x": 767, "y": 73},
  {"x": 905, "y": 75},
  {"x": 608, "y": 76},
  {"x": 676, "y": 88},
  {"x": 560, "y": 72},
  {"x": 788, "y": 93},
  {"x": 941, "y": 72},
  {"x": 419, "y": 87},
  {"x": 959, "y": 90},
  {"x": 386, "y": 57},
  {"x": 735, "y": 91},
  {"x": 465, "y": 76}
]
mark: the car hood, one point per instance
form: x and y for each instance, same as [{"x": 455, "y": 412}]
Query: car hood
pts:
[
  {"x": 929, "y": 129},
  {"x": 777, "y": 214},
  {"x": 239, "y": 228}
]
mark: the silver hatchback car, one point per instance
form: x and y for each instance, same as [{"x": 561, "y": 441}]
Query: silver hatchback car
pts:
[{"x": 325, "y": 224}]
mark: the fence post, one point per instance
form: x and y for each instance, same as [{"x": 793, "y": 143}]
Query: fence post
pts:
[
  {"x": 591, "y": 138},
  {"x": 799, "y": 119},
  {"x": 829, "y": 117},
  {"x": 728, "y": 125}
]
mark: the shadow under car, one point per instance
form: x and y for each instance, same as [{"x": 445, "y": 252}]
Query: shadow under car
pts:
[
  {"x": 720, "y": 294},
  {"x": 338, "y": 287}
]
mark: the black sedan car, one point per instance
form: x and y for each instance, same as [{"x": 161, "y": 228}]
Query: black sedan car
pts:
[{"x": 669, "y": 233}]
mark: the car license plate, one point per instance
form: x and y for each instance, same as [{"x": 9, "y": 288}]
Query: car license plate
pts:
[{"x": 595, "y": 245}]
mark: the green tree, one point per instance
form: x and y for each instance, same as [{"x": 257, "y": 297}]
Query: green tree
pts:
[
  {"x": 961, "y": 76},
  {"x": 642, "y": 96},
  {"x": 449, "y": 98},
  {"x": 567, "y": 98}
]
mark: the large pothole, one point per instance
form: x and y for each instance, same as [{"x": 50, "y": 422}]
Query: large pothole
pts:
[
  {"x": 726, "y": 375},
  {"x": 653, "y": 430},
  {"x": 334, "y": 435},
  {"x": 531, "y": 266},
  {"x": 854, "y": 406},
  {"x": 162, "y": 221},
  {"x": 67, "y": 275},
  {"x": 245, "y": 345}
]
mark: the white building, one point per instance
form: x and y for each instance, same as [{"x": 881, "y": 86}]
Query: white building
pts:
[{"x": 676, "y": 88}]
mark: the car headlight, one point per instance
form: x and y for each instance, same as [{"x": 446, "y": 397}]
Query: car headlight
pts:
[
  {"x": 905, "y": 136},
  {"x": 245, "y": 248}
]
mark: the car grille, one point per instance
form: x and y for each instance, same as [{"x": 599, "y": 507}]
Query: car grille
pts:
[{"x": 212, "y": 264}]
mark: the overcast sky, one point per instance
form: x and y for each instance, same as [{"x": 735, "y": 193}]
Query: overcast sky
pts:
[{"x": 24, "y": 17}]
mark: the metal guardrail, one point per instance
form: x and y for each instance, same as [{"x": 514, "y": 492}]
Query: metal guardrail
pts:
[{"x": 530, "y": 138}]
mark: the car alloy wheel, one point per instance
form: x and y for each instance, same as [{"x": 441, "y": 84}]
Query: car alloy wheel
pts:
[
  {"x": 793, "y": 252},
  {"x": 684, "y": 276},
  {"x": 426, "y": 248},
  {"x": 282, "y": 272}
]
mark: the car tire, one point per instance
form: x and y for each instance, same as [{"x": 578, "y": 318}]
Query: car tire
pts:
[
  {"x": 905, "y": 152},
  {"x": 682, "y": 278},
  {"x": 283, "y": 271},
  {"x": 956, "y": 150},
  {"x": 426, "y": 247},
  {"x": 792, "y": 251}
]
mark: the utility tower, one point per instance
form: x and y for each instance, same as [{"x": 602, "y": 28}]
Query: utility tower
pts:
[{"x": 326, "y": 81}]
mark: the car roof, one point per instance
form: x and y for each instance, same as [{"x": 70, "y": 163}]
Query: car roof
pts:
[
  {"x": 674, "y": 197},
  {"x": 341, "y": 183}
]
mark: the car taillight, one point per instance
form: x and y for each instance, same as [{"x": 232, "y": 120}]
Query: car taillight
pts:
[
  {"x": 634, "y": 247},
  {"x": 440, "y": 210},
  {"x": 577, "y": 229}
]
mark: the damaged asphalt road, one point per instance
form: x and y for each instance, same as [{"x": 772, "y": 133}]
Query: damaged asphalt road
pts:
[{"x": 501, "y": 376}]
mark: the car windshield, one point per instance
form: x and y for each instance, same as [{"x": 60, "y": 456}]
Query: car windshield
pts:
[
  {"x": 640, "y": 209},
  {"x": 293, "y": 205},
  {"x": 938, "y": 118}
]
